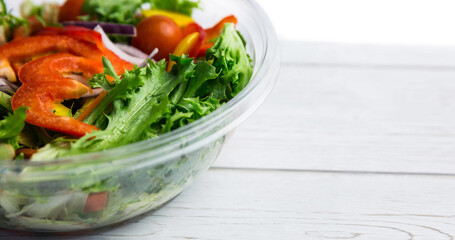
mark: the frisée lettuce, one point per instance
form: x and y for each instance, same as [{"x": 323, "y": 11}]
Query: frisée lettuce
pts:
[
  {"x": 146, "y": 102},
  {"x": 141, "y": 104}
]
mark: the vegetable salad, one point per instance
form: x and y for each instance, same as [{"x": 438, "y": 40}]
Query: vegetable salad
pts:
[
  {"x": 92, "y": 75},
  {"x": 73, "y": 85}
]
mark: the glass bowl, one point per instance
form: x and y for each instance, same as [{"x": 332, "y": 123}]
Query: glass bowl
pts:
[{"x": 131, "y": 180}]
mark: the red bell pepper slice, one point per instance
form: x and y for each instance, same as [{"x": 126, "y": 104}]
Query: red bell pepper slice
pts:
[
  {"x": 42, "y": 81},
  {"x": 90, "y": 36},
  {"x": 76, "y": 32},
  {"x": 85, "y": 43},
  {"x": 216, "y": 30},
  {"x": 43, "y": 84},
  {"x": 192, "y": 28},
  {"x": 204, "y": 49}
]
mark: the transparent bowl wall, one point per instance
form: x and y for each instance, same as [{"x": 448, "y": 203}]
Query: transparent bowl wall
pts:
[{"x": 141, "y": 176}]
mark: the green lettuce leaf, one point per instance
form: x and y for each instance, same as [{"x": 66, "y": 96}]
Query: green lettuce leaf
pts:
[
  {"x": 146, "y": 102},
  {"x": 185, "y": 7},
  {"x": 138, "y": 100},
  {"x": 5, "y": 102},
  {"x": 231, "y": 60},
  {"x": 11, "y": 126},
  {"x": 8, "y": 22},
  {"x": 116, "y": 11}
]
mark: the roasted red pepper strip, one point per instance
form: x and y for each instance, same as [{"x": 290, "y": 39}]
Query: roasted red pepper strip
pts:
[
  {"x": 43, "y": 85},
  {"x": 84, "y": 44},
  {"x": 76, "y": 32},
  {"x": 90, "y": 36}
]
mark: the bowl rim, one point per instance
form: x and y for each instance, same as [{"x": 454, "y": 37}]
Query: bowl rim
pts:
[{"x": 170, "y": 140}]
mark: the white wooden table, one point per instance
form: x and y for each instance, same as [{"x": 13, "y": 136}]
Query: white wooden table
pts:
[{"x": 355, "y": 142}]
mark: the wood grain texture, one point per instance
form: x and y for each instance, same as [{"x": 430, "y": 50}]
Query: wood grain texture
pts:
[
  {"x": 358, "y": 118},
  {"x": 372, "y": 56},
  {"x": 245, "y": 204}
]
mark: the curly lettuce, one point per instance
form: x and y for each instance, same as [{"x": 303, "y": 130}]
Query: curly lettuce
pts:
[
  {"x": 146, "y": 102},
  {"x": 185, "y": 7},
  {"x": 231, "y": 60},
  {"x": 11, "y": 126},
  {"x": 116, "y": 11}
]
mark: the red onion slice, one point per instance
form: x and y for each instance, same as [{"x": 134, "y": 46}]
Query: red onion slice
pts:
[
  {"x": 109, "y": 28},
  {"x": 7, "y": 86},
  {"x": 111, "y": 46},
  {"x": 95, "y": 92},
  {"x": 131, "y": 50},
  {"x": 150, "y": 57}
]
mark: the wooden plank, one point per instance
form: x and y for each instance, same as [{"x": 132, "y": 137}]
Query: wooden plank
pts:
[
  {"x": 343, "y": 54},
  {"x": 354, "y": 119},
  {"x": 237, "y": 204}
]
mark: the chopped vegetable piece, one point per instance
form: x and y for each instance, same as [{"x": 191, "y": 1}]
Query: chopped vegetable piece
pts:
[
  {"x": 230, "y": 58},
  {"x": 184, "y": 47},
  {"x": 95, "y": 202},
  {"x": 116, "y": 11},
  {"x": 116, "y": 50},
  {"x": 8, "y": 23},
  {"x": 47, "y": 13},
  {"x": 181, "y": 19},
  {"x": 70, "y": 10},
  {"x": 216, "y": 30},
  {"x": 11, "y": 127},
  {"x": 34, "y": 26},
  {"x": 212, "y": 33},
  {"x": 185, "y": 7},
  {"x": 40, "y": 94},
  {"x": 16, "y": 53},
  {"x": 27, "y": 152},
  {"x": 195, "y": 28},
  {"x": 87, "y": 109},
  {"x": 61, "y": 110},
  {"x": 5, "y": 101},
  {"x": 6, "y": 152},
  {"x": 109, "y": 28}
]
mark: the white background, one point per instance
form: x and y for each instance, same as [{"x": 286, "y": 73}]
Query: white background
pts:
[
  {"x": 408, "y": 22},
  {"x": 403, "y": 22}
]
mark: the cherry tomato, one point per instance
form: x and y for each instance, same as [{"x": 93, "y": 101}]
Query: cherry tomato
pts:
[
  {"x": 157, "y": 32},
  {"x": 70, "y": 10}
]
